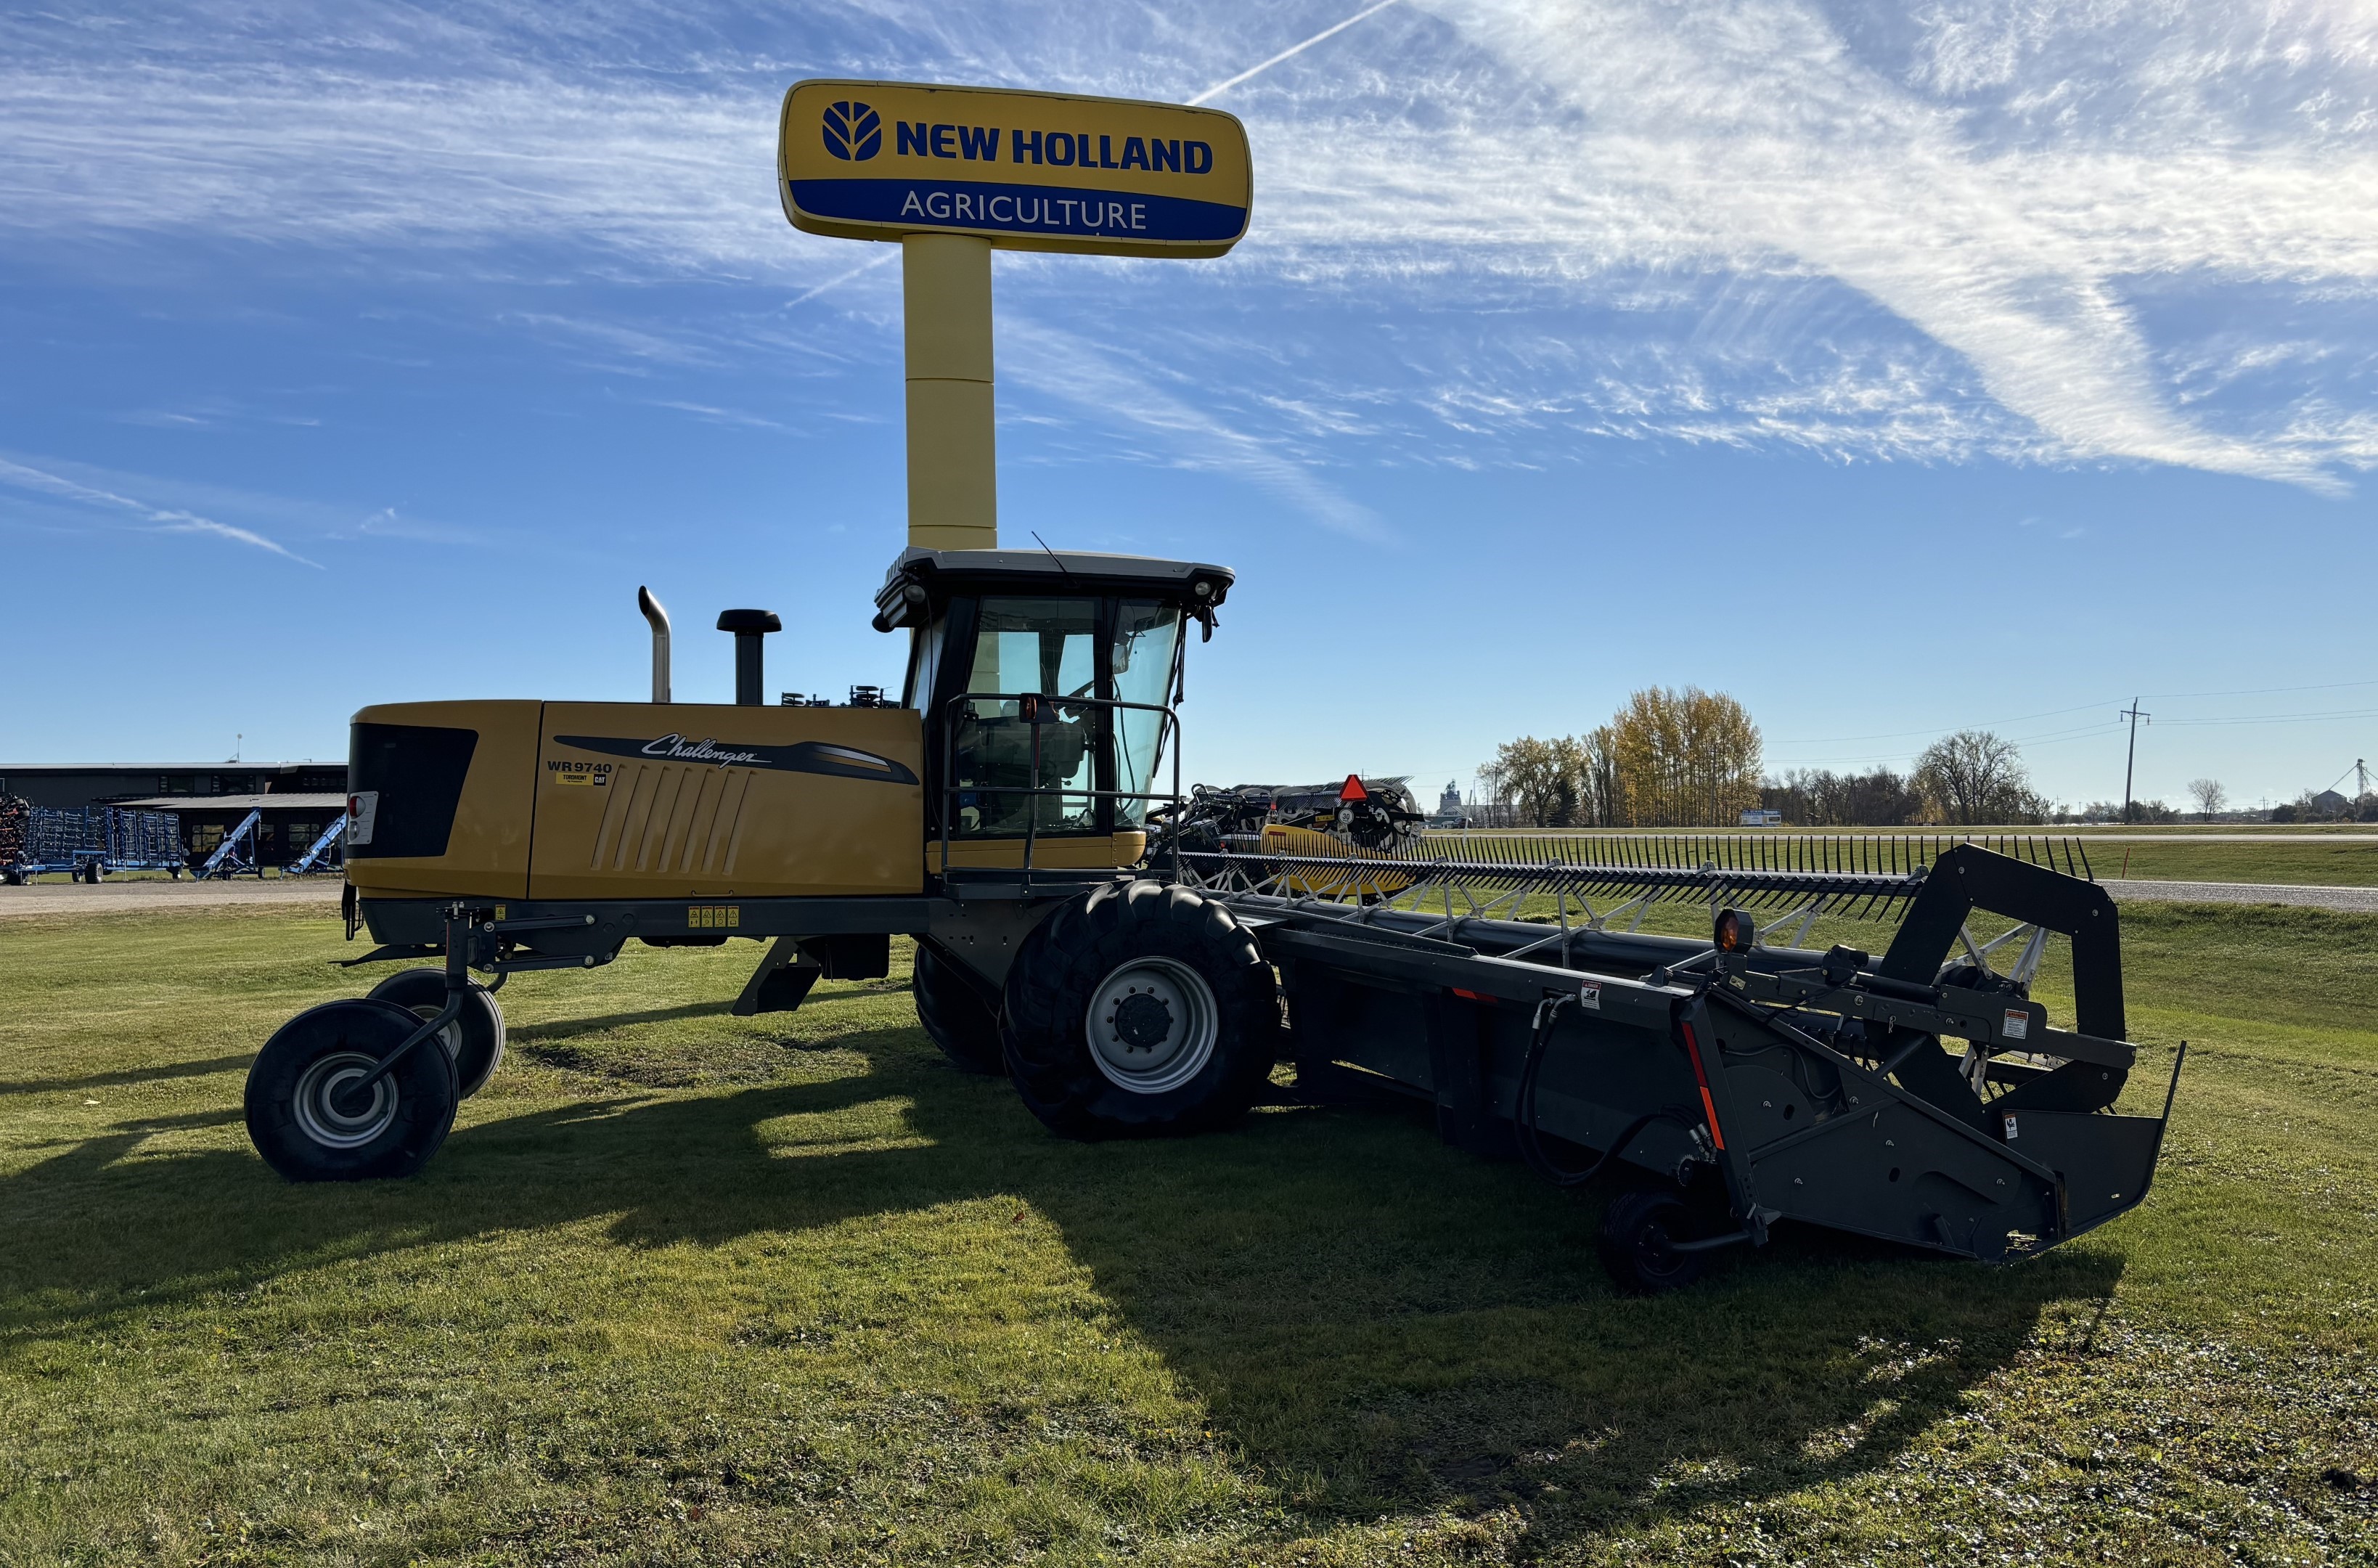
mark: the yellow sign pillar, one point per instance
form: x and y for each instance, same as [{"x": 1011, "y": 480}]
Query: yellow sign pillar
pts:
[
  {"x": 952, "y": 173},
  {"x": 952, "y": 468}
]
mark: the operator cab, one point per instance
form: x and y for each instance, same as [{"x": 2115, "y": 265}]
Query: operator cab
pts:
[{"x": 1046, "y": 681}]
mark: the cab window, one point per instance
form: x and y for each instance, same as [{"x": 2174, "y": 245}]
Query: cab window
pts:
[{"x": 1015, "y": 732}]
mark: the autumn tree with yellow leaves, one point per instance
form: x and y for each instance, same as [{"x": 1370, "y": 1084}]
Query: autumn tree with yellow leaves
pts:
[{"x": 1668, "y": 759}]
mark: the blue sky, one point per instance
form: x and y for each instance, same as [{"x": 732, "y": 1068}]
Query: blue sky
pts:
[{"x": 1895, "y": 368}]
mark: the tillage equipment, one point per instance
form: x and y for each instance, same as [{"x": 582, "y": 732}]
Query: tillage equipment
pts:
[{"x": 1001, "y": 814}]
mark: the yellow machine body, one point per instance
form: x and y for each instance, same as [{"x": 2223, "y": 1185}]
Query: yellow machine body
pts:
[
  {"x": 608, "y": 800},
  {"x": 597, "y": 801}
]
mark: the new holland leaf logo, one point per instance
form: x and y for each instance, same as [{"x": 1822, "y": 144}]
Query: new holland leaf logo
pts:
[{"x": 854, "y": 132}]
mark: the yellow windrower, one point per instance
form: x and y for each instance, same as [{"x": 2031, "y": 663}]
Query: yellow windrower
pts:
[
  {"x": 952, "y": 463},
  {"x": 954, "y": 173}
]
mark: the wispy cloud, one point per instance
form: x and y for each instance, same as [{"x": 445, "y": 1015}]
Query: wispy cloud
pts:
[
  {"x": 160, "y": 518},
  {"x": 1100, "y": 385},
  {"x": 2044, "y": 232}
]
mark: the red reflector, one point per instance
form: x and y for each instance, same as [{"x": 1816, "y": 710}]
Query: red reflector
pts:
[
  {"x": 1473, "y": 996},
  {"x": 1708, "y": 1106},
  {"x": 1354, "y": 789}
]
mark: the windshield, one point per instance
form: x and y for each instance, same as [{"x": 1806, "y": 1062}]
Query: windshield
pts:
[
  {"x": 1045, "y": 645},
  {"x": 1008, "y": 742},
  {"x": 1147, "y": 635}
]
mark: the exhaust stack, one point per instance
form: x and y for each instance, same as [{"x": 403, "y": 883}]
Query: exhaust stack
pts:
[
  {"x": 660, "y": 623},
  {"x": 749, "y": 626}
]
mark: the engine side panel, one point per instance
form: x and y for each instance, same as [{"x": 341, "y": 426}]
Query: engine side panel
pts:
[
  {"x": 651, "y": 801},
  {"x": 409, "y": 754}
]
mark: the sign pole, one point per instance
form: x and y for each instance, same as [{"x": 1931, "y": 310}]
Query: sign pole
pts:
[
  {"x": 952, "y": 468},
  {"x": 955, "y": 173}
]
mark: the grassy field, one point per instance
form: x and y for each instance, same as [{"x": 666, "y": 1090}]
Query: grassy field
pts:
[{"x": 685, "y": 1287}]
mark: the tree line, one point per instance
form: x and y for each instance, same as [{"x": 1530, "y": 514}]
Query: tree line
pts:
[
  {"x": 1692, "y": 758},
  {"x": 1666, "y": 759}
]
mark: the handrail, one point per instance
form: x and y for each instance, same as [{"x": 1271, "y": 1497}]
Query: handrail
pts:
[{"x": 1168, "y": 725}]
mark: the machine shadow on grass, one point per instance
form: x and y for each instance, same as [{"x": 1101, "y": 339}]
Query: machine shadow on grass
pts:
[{"x": 1381, "y": 1324}]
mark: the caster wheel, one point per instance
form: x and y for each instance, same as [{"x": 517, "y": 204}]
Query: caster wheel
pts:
[
  {"x": 307, "y": 1116},
  {"x": 475, "y": 1040}
]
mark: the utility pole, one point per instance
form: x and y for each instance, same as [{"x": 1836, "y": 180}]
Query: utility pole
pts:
[{"x": 2135, "y": 717}]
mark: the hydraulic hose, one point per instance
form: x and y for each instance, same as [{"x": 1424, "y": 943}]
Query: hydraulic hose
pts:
[{"x": 1523, "y": 1112}]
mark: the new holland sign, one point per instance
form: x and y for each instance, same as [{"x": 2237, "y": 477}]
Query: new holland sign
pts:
[{"x": 1027, "y": 171}]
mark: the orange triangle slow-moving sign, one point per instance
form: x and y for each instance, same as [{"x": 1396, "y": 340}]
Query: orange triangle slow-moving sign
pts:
[{"x": 1354, "y": 789}]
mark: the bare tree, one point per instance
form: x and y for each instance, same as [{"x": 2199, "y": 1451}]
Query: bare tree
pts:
[
  {"x": 1975, "y": 776},
  {"x": 1821, "y": 797},
  {"x": 2209, "y": 794}
]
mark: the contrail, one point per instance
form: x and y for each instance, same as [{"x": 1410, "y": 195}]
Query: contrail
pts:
[
  {"x": 1223, "y": 87},
  {"x": 838, "y": 281},
  {"x": 167, "y": 520}
]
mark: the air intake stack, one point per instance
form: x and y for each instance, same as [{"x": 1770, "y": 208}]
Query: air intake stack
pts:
[{"x": 749, "y": 626}]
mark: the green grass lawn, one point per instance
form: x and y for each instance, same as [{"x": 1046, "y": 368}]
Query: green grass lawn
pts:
[{"x": 686, "y": 1287}]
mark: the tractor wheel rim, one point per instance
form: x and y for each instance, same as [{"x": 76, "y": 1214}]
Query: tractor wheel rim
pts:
[
  {"x": 1153, "y": 1025},
  {"x": 320, "y": 1117}
]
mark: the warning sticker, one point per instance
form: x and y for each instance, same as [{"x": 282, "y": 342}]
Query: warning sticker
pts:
[
  {"x": 2018, "y": 1024},
  {"x": 1589, "y": 997}
]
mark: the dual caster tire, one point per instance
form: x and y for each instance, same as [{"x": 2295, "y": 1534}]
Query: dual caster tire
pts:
[
  {"x": 475, "y": 1040},
  {"x": 307, "y": 1114},
  {"x": 1139, "y": 1010},
  {"x": 311, "y": 1120}
]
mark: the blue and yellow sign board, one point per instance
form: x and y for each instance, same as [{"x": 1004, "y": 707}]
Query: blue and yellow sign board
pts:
[{"x": 1027, "y": 171}]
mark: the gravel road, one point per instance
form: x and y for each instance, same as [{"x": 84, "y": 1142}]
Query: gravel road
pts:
[
  {"x": 2356, "y": 900},
  {"x": 109, "y": 898}
]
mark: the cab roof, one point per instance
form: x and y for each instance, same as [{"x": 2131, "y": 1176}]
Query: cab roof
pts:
[{"x": 942, "y": 573}]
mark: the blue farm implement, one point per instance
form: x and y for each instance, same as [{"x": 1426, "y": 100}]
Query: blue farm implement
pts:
[{"x": 85, "y": 842}]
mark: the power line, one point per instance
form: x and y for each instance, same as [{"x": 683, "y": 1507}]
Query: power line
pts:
[
  {"x": 1936, "y": 730},
  {"x": 2267, "y": 691}
]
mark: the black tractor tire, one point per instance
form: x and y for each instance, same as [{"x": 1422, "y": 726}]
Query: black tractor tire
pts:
[
  {"x": 955, "y": 1014},
  {"x": 1639, "y": 1231},
  {"x": 1188, "y": 1021},
  {"x": 475, "y": 1040},
  {"x": 296, "y": 1121}
]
